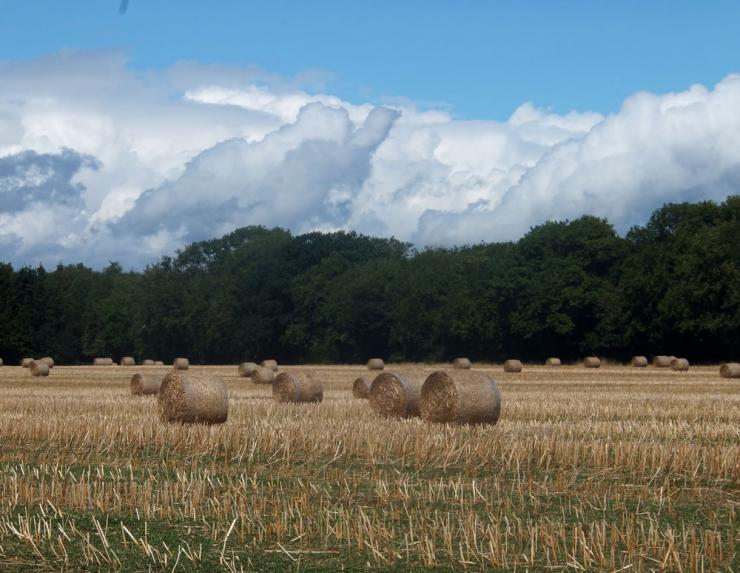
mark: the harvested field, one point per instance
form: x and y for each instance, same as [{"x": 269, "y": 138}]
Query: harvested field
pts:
[{"x": 608, "y": 469}]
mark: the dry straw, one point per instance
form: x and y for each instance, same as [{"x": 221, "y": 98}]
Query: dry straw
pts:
[
  {"x": 375, "y": 364},
  {"x": 639, "y": 361},
  {"x": 246, "y": 369},
  {"x": 26, "y": 362},
  {"x": 263, "y": 375},
  {"x": 553, "y": 361},
  {"x": 512, "y": 365},
  {"x": 297, "y": 387},
  {"x": 662, "y": 361},
  {"x": 145, "y": 384},
  {"x": 49, "y": 361},
  {"x": 271, "y": 364},
  {"x": 128, "y": 361},
  {"x": 460, "y": 397},
  {"x": 39, "y": 368},
  {"x": 397, "y": 394},
  {"x": 592, "y": 362},
  {"x": 190, "y": 399},
  {"x": 730, "y": 370},
  {"x": 148, "y": 362},
  {"x": 462, "y": 364},
  {"x": 680, "y": 364},
  {"x": 361, "y": 386},
  {"x": 181, "y": 364},
  {"x": 103, "y": 362}
]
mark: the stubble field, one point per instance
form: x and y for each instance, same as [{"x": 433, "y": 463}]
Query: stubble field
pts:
[{"x": 616, "y": 469}]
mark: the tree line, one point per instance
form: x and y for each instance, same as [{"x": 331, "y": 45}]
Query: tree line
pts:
[{"x": 565, "y": 289}]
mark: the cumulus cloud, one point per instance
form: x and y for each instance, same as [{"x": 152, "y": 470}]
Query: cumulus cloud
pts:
[{"x": 98, "y": 162}]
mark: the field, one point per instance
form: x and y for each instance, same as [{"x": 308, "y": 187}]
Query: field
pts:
[{"x": 616, "y": 469}]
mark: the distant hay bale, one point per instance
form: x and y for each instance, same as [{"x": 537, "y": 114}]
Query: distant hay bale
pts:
[
  {"x": 272, "y": 364},
  {"x": 39, "y": 368},
  {"x": 158, "y": 363},
  {"x": 662, "y": 361},
  {"x": 462, "y": 364},
  {"x": 512, "y": 365},
  {"x": 639, "y": 361},
  {"x": 680, "y": 364},
  {"x": 145, "y": 384},
  {"x": 246, "y": 369},
  {"x": 181, "y": 364},
  {"x": 361, "y": 386},
  {"x": 397, "y": 394},
  {"x": 26, "y": 362},
  {"x": 263, "y": 375},
  {"x": 375, "y": 364},
  {"x": 297, "y": 387},
  {"x": 1, "y": 361},
  {"x": 49, "y": 361},
  {"x": 460, "y": 397},
  {"x": 148, "y": 362},
  {"x": 592, "y": 362},
  {"x": 103, "y": 362},
  {"x": 128, "y": 361},
  {"x": 730, "y": 370},
  {"x": 553, "y": 361},
  {"x": 190, "y": 399}
]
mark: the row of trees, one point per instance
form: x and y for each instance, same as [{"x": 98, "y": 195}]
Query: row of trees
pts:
[{"x": 565, "y": 289}]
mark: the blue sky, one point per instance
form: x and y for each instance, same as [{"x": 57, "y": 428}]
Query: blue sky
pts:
[{"x": 481, "y": 58}]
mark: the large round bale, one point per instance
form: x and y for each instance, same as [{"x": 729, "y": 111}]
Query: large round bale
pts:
[
  {"x": 49, "y": 361},
  {"x": 462, "y": 364},
  {"x": 103, "y": 362},
  {"x": 39, "y": 368},
  {"x": 271, "y": 364},
  {"x": 246, "y": 369},
  {"x": 145, "y": 384},
  {"x": 730, "y": 370},
  {"x": 190, "y": 399},
  {"x": 592, "y": 362},
  {"x": 397, "y": 394},
  {"x": 375, "y": 364},
  {"x": 158, "y": 363},
  {"x": 361, "y": 386},
  {"x": 148, "y": 362},
  {"x": 181, "y": 364},
  {"x": 512, "y": 365},
  {"x": 263, "y": 375},
  {"x": 553, "y": 361},
  {"x": 680, "y": 364},
  {"x": 26, "y": 362},
  {"x": 128, "y": 361},
  {"x": 460, "y": 397},
  {"x": 297, "y": 387},
  {"x": 639, "y": 361},
  {"x": 662, "y": 361}
]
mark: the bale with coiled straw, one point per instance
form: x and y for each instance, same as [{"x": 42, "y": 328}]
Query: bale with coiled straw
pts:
[
  {"x": 148, "y": 362},
  {"x": 397, "y": 394},
  {"x": 460, "y": 397},
  {"x": 39, "y": 368},
  {"x": 145, "y": 384},
  {"x": 103, "y": 362},
  {"x": 730, "y": 370},
  {"x": 553, "y": 361},
  {"x": 639, "y": 362},
  {"x": 375, "y": 364},
  {"x": 246, "y": 369},
  {"x": 680, "y": 364},
  {"x": 512, "y": 365},
  {"x": 26, "y": 362},
  {"x": 181, "y": 364},
  {"x": 462, "y": 364},
  {"x": 297, "y": 387},
  {"x": 662, "y": 361},
  {"x": 271, "y": 364},
  {"x": 592, "y": 362},
  {"x": 263, "y": 375},
  {"x": 361, "y": 386},
  {"x": 49, "y": 361},
  {"x": 128, "y": 361},
  {"x": 190, "y": 399}
]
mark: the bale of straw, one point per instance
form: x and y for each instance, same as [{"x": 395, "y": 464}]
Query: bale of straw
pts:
[
  {"x": 158, "y": 363},
  {"x": 272, "y": 364},
  {"x": 190, "y": 399},
  {"x": 145, "y": 384},
  {"x": 246, "y": 369},
  {"x": 26, "y": 362},
  {"x": 128, "y": 361},
  {"x": 263, "y": 375},
  {"x": 361, "y": 386},
  {"x": 148, "y": 362},
  {"x": 460, "y": 397},
  {"x": 639, "y": 361},
  {"x": 397, "y": 394},
  {"x": 730, "y": 370},
  {"x": 512, "y": 365},
  {"x": 103, "y": 362},
  {"x": 181, "y": 364},
  {"x": 297, "y": 387},
  {"x": 49, "y": 361},
  {"x": 553, "y": 361},
  {"x": 39, "y": 368},
  {"x": 680, "y": 364},
  {"x": 662, "y": 361},
  {"x": 462, "y": 364},
  {"x": 375, "y": 364},
  {"x": 592, "y": 362},
  {"x": 1, "y": 361}
]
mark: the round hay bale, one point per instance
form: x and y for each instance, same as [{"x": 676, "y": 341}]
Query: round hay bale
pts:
[
  {"x": 190, "y": 399},
  {"x": 103, "y": 362},
  {"x": 39, "y": 368},
  {"x": 246, "y": 369},
  {"x": 592, "y": 362},
  {"x": 680, "y": 364},
  {"x": 272, "y": 364},
  {"x": 639, "y": 361},
  {"x": 1, "y": 361},
  {"x": 148, "y": 362},
  {"x": 297, "y": 387},
  {"x": 145, "y": 384},
  {"x": 158, "y": 363},
  {"x": 730, "y": 370},
  {"x": 553, "y": 361},
  {"x": 181, "y": 364},
  {"x": 662, "y": 361},
  {"x": 128, "y": 361},
  {"x": 397, "y": 394},
  {"x": 375, "y": 364},
  {"x": 460, "y": 397},
  {"x": 263, "y": 375},
  {"x": 26, "y": 362},
  {"x": 462, "y": 364},
  {"x": 512, "y": 365},
  {"x": 361, "y": 386},
  {"x": 49, "y": 361}
]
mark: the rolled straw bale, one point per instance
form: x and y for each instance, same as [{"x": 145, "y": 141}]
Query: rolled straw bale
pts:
[
  {"x": 263, "y": 375},
  {"x": 246, "y": 369},
  {"x": 190, "y": 399},
  {"x": 1, "y": 361},
  {"x": 553, "y": 361},
  {"x": 592, "y": 362},
  {"x": 26, "y": 362},
  {"x": 145, "y": 384},
  {"x": 49, "y": 361},
  {"x": 375, "y": 364},
  {"x": 297, "y": 387},
  {"x": 730, "y": 370},
  {"x": 639, "y": 361},
  {"x": 460, "y": 397},
  {"x": 272, "y": 364},
  {"x": 397, "y": 394},
  {"x": 361, "y": 386},
  {"x": 680, "y": 364},
  {"x": 39, "y": 368},
  {"x": 181, "y": 364},
  {"x": 462, "y": 364},
  {"x": 662, "y": 361},
  {"x": 158, "y": 363},
  {"x": 512, "y": 365},
  {"x": 148, "y": 362},
  {"x": 103, "y": 362},
  {"x": 128, "y": 361}
]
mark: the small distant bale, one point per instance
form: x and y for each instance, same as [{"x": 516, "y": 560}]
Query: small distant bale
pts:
[
  {"x": 181, "y": 364},
  {"x": 397, "y": 394},
  {"x": 39, "y": 368},
  {"x": 460, "y": 397},
  {"x": 512, "y": 365},
  {"x": 730, "y": 370},
  {"x": 143, "y": 384},
  {"x": 361, "y": 386},
  {"x": 188, "y": 399},
  {"x": 49, "y": 361},
  {"x": 680, "y": 364},
  {"x": 375, "y": 364},
  {"x": 148, "y": 362},
  {"x": 263, "y": 375},
  {"x": 246, "y": 369},
  {"x": 462, "y": 364},
  {"x": 1, "y": 361},
  {"x": 272, "y": 364},
  {"x": 158, "y": 363},
  {"x": 103, "y": 362},
  {"x": 26, "y": 362},
  {"x": 553, "y": 361},
  {"x": 297, "y": 387},
  {"x": 639, "y": 362},
  {"x": 128, "y": 361},
  {"x": 662, "y": 361},
  {"x": 592, "y": 362}
]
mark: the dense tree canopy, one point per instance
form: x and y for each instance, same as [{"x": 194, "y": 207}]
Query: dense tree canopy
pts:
[{"x": 566, "y": 289}]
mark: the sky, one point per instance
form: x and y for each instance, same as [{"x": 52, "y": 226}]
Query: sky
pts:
[{"x": 125, "y": 136}]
